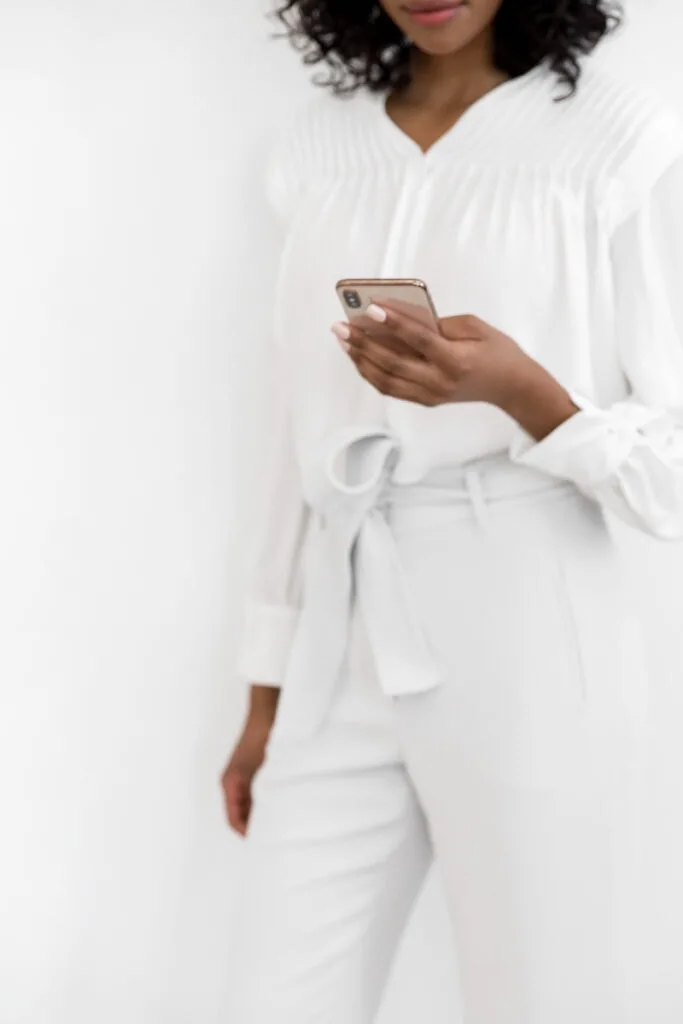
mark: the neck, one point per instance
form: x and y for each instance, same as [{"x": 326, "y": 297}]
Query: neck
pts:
[{"x": 456, "y": 79}]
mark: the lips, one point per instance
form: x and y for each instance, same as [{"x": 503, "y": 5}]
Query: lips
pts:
[
  {"x": 434, "y": 12},
  {"x": 433, "y": 5}
]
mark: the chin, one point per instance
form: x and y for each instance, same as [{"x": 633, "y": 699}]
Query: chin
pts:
[
  {"x": 439, "y": 44},
  {"x": 436, "y": 47}
]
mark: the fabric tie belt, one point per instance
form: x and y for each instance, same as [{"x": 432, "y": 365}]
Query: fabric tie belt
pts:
[{"x": 353, "y": 555}]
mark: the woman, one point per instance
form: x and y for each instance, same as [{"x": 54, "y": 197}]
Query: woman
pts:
[{"x": 435, "y": 591}]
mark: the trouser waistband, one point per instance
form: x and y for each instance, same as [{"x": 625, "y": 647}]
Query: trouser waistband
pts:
[
  {"x": 477, "y": 484},
  {"x": 354, "y": 555}
]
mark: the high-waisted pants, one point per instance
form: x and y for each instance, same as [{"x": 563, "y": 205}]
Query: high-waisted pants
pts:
[{"x": 520, "y": 773}]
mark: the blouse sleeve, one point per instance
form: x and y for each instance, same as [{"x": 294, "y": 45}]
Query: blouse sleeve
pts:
[
  {"x": 629, "y": 456},
  {"x": 279, "y": 518}
]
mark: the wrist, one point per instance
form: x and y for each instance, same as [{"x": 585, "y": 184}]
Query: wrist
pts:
[{"x": 537, "y": 401}]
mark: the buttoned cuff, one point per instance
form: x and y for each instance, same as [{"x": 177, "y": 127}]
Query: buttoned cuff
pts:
[
  {"x": 588, "y": 448},
  {"x": 266, "y": 642}
]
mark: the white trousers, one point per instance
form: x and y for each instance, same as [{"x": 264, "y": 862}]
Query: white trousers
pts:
[{"x": 520, "y": 773}]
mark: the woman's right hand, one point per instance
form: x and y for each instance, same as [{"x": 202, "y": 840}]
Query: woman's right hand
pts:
[{"x": 248, "y": 756}]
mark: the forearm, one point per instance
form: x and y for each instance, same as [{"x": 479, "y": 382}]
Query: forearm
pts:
[
  {"x": 263, "y": 702},
  {"x": 537, "y": 401},
  {"x": 263, "y": 698}
]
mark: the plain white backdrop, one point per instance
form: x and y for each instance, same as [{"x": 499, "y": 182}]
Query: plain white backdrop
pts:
[{"x": 135, "y": 267}]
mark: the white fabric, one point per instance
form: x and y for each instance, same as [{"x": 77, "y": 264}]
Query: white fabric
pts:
[
  {"x": 520, "y": 773},
  {"x": 354, "y": 557},
  {"x": 630, "y": 455},
  {"x": 559, "y": 223}
]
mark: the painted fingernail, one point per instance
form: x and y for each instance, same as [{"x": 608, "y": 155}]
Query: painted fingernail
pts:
[
  {"x": 342, "y": 331},
  {"x": 376, "y": 313}
]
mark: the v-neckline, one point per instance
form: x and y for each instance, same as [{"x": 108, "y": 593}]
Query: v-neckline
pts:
[{"x": 408, "y": 144}]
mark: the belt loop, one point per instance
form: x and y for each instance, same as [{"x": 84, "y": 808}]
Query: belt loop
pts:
[{"x": 475, "y": 492}]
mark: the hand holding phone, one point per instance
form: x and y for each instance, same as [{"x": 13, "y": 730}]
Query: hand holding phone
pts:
[
  {"x": 405, "y": 295},
  {"x": 459, "y": 359}
]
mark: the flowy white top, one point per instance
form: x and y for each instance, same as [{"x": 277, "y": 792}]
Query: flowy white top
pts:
[{"x": 560, "y": 223}]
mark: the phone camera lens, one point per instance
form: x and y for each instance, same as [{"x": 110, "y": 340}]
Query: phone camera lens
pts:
[{"x": 352, "y": 299}]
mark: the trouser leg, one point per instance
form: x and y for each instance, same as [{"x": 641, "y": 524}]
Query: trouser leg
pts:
[
  {"x": 336, "y": 853},
  {"x": 526, "y": 762},
  {"x": 531, "y": 885}
]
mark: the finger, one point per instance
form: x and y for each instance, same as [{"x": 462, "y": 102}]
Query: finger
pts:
[
  {"x": 392, "y": 359},
  {"x": 237, "y": 792},
  {"x": 381, "y": 334},
  {"x": 343, "y": 330},
  {"x": 397, "y": 387},
  {"x": 417, "y": 336}
]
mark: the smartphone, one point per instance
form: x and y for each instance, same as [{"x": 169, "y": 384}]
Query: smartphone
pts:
[{"x": 405, "y": 295}]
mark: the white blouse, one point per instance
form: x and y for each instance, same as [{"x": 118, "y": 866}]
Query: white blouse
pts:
[{"x": 560, "y": 223}]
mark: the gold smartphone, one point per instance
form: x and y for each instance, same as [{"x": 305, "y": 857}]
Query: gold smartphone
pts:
[{"x": 407, "y": 295}]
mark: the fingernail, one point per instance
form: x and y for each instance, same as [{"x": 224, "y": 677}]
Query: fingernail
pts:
[
  {"x": 376, "y": 313},
  {"x": 342, "y": 331}
]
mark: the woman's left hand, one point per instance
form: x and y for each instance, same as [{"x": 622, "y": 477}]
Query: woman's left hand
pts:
[{"x": 466, "y": 360}]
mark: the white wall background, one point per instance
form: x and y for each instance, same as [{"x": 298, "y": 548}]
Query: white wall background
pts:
[{"x": 131, "y": 320}]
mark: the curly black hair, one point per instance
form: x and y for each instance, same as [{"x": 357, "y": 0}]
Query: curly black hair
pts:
[{"x": 365, "y": 49}]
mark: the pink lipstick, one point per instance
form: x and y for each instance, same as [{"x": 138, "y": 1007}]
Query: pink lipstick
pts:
[{"x": 434, "y": 13}]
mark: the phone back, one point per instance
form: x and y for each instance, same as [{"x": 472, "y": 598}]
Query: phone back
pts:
[{"x": 405, "y": 295}]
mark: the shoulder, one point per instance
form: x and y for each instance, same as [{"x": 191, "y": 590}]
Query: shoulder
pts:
[
  {"x": 314, "y": 123},
  {"x": 608, "y": 117},
  {"x": 644, "y": 135},
  {"x": 626, "y": 115},
  {"x": 307, "y": 140},
  {"x": 286, "y": 153},
  {"x": 615, "y": 134}
]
